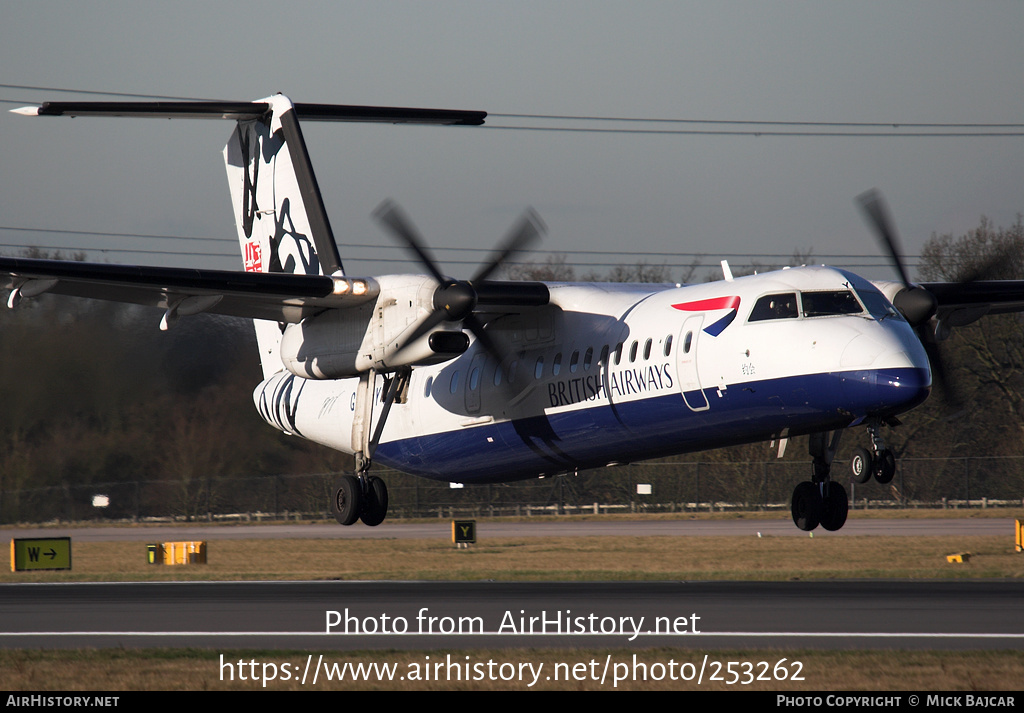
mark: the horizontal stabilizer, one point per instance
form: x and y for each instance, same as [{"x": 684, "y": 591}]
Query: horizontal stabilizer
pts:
[{"x": 246, "y": 111}]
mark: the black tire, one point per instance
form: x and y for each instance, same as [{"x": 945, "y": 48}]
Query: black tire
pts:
[
  {"x": 375, "y": 504},
  {"x": 806, "y": 506},
  {"x": 861, "y": 465},
  {"x": 346, "y": 499},
  {"x": 885, "y": 467},
  {"x": 835, "y": 507}
]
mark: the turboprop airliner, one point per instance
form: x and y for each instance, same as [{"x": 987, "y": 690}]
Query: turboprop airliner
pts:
[{"x": 483, "y": 380}]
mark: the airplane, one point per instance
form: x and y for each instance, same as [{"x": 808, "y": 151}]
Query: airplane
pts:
[{"x": 484, "y": 380}]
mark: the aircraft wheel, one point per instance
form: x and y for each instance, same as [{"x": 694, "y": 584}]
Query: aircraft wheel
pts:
[
  {"x": 861, "y": 465},
  {"x": 806, "y": 506},
  {"x": 885, "y": 467},
  {"x": 835, "y": 507},
  {"x": 375, "y": 504},
  {"x": 346, "y": 499}
]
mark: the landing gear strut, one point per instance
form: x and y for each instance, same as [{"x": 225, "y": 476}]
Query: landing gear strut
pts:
[
  {"x": 880, "y": 462},
  {"x": 363, "y": 496},
  {"x": 820, "y": 500}
]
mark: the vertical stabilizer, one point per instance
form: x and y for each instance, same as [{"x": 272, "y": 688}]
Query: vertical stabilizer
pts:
[{"x": 279, "y": 213}]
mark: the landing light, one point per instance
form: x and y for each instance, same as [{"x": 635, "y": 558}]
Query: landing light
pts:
[{"x": 345, "y": 286}]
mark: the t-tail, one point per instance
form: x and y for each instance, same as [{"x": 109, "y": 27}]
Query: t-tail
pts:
[{"x": 280, "y": 214}]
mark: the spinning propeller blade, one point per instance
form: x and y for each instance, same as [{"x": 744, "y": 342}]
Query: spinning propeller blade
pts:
[
  {"x": 917, "y": 304},
  {"x": 457, "y": 300}
]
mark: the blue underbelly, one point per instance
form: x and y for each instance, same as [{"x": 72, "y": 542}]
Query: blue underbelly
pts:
[{"x": 655, "y": 427}]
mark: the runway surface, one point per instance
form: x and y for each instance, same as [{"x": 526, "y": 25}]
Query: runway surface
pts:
[
  {"x": 467, "y": 615},
  {"x": 777, "y": 526}
]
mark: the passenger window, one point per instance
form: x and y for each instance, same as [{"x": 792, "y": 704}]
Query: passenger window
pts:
[
  {"x": 781, "y": 306},
  {"x": 455, "y": 382},
  {"x": 604, "y": 356},
  {"x": 538, "y": 371},
  {"x": 647, "y": 349},
  {"x": 474, "y": 379},
  {"x": 687, "y": 341},
  {"x": 588, "y": 359},
  {"x": 618, "y": 353},
  {"x": 497, "y": 374},
  {"x": 668, "y": 345},
  {"x": 574, "y": 362},
  {"x": 556, "y": 365},
  {"x": 632, "y": 351},
  {"x": 426, "y": 388}
]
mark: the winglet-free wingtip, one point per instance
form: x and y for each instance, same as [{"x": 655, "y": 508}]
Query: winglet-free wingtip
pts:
[{"x": 26, "y": 111}]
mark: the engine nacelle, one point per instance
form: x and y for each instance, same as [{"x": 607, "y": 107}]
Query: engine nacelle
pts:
[
  {"x": 337, "y": 344},
  {"x": 916, "y": 304}
]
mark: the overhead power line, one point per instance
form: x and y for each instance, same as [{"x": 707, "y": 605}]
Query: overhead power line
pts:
[
  {"x": 632, "y": 254},
  {"x": 800, "y": 128},
  {"x": 57, "y": 90},
  {"x": 755, "y": 134},
  {"x": 874, "y": 124},
  {"x": 107, "y": 234}
]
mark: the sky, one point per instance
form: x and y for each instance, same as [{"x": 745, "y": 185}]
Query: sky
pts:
[{"x": 633, "y": 194}]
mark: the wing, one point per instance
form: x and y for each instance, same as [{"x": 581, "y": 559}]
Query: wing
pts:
[
  {"x": 960, "y": 303},
  {"x": 996, "y": 296},
  {"x": 280, "y": 297}
]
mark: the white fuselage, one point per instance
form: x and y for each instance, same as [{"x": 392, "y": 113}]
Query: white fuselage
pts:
[{"x": 613, "y": 373}]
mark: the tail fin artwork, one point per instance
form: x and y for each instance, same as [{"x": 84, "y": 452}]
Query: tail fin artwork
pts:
[
  {"x": 282, "y": 224},
  {"x": 279, "y": 213}
]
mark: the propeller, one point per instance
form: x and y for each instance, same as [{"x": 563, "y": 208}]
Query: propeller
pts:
[
  {"x": 457, "y": 300},
  {"x": 914, "y": 302}
]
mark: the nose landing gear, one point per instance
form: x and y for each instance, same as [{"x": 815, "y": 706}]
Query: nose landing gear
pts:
[{"x": 880, "y": 462}]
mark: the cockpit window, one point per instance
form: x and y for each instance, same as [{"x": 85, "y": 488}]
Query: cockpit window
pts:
[
  {"x": 830, "y": 303},
  {"x": 879, "y": 307},
  {"x": 781, "y": 306}
]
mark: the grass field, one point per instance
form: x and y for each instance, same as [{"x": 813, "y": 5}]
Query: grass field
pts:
[
  {"x": 533, "y": 559},
  {"x": 558, "y": 558}
]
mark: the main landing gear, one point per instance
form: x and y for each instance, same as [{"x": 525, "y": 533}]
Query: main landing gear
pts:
[
  {"x": 359, "y": 497},
  {"x": 821, "y": 500},
  {"x": 363, "y": 496},
  {"x": 879, "y": 462}
]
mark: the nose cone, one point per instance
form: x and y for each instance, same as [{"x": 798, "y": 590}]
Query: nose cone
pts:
[
  {"x": 898, "y": 377},
  {"x": 887, "y": 391}
]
